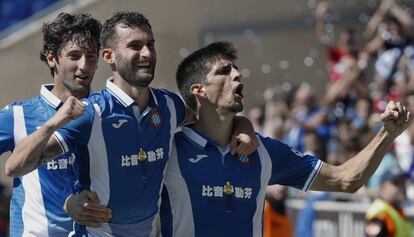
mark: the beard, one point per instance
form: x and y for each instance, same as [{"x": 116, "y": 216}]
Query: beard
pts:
[
  {"x": 235, "y": 107},
  {"x": 128, "y": 73}
]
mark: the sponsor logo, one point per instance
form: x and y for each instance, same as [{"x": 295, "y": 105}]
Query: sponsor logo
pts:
[
  {"x": 198, "y": 158},
  {"x": 150, "y": 156},
  {"x": 119, "y": 123},
  {"x": 226, "y": 189}
]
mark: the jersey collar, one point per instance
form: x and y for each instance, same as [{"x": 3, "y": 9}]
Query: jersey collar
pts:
[
  {"x": 202, "y": 140},
  {"x": 195, "y": 137},
  {"x": 121, "y": 96},
  {"x": 49, "y": 97}
]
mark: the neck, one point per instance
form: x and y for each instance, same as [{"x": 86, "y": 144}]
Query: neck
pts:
[
  {"x": 215, "y": 124},
  {"x": 139, "y": 94},
  {"x": 62, "y": 92}
]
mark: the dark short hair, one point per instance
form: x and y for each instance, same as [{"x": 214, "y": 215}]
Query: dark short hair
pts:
[
  {"x": 81, "y": 29},
  {"x": 123, "y": 18},
  {"x": 194, "y": 68}
]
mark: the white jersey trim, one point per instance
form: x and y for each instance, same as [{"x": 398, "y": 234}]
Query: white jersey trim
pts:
[
  {"x": 33, "y": 211},
  {"x": 265, "y": 174},
  {"x": 313, "y": 175}
]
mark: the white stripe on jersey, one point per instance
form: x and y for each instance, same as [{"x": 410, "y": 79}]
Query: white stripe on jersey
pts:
[
  {"x": 313, "y": 175},
  {"x": 265, "y": 173},
  {"x": 173, "y": 128},
  {"x": 99, "y": 172},
  {"x": 182, "y": 215},
  {"x": 33, "y": 210}
]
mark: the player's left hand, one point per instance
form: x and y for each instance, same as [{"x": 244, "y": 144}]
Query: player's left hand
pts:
[
  {"x": 243, "y": 141},
  {"x": 396, "y": 118},
  {"x": 84, "y": 209}
]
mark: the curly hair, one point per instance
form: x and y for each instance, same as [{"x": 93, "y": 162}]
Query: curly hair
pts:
[
  {"x": 81, "y": 29},
  {"x": 194, "y": 68},
  {"x": 123, "y": 18}
]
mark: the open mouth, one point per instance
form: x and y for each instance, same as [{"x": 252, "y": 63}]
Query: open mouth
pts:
[
  {"x": 143, "y": 65},
  {"x": 239, "y": 90}
]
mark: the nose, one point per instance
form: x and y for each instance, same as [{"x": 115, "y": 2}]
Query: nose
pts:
[
  {"x": 82, "y": 63},
  {"x": 236, "y": 74},
  {"x": 145, "y": 51}
]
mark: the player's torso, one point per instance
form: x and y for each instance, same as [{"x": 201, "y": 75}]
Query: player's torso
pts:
[
  {"x": 38, "y": 197},
  {"x": 128, "y": 152},
  {"x": 224, "y": 192}
]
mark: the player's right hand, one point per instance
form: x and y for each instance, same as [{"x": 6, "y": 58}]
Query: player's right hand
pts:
[
  {"x": 71, "y": 110},
  {"x": 84, "y": 209}
]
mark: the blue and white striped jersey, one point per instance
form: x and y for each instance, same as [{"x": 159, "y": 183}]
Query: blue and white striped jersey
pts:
[
  {"x": 38, "y": 197},
  {"x": 128, "y": 151},
  {"x": 210, "y": 193}
]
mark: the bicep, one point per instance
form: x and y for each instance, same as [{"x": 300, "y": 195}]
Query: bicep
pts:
[
  {"x": 53, "y": 148},
  {"x": 328, "y": 179}
]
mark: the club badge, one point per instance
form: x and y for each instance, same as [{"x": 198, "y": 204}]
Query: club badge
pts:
[{"x": 155, "y": 118}]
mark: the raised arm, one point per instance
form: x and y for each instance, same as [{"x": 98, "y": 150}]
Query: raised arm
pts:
[
  {"x": 320, "y": 12},
  {"x": 405, "y": 19},
  {"x": 40, "y": 147},
  {"x": 379, "y": 16},
  {"x": 354, "y": 173}
]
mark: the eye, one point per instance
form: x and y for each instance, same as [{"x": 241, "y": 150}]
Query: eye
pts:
[
  {"x": 92, "y": 56},
  {"x": 224, "y": 70},
  {"x": 74, "y": 56},
  {"x": 135, "y": 46}
]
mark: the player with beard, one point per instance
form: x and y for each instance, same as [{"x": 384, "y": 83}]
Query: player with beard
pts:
[
  {"x": 211, "y": 193},
  {"x": 128, "y": 128}
]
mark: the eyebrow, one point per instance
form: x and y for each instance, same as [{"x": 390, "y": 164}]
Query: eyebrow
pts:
[
  {"x": 225, "y": 69},
  {"x": 136, "y": 41}
]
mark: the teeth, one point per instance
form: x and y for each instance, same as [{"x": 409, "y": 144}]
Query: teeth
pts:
[{"x": 143, "y": 64}]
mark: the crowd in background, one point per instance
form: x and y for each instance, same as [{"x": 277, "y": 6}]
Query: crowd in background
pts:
[{"x": 366, "y": 70}]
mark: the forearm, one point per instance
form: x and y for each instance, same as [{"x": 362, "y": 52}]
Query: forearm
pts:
[
  {"x": 32, "y": 152},
  {"x": 376, "y": 19},
  {"x": 404, "y": 18},
  {"x": 357, "y": 170},
  {"x": 320, "y": 29}
]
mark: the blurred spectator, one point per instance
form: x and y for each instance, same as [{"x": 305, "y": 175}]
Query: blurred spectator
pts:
[
  {"x": 305, "y": 115},
  {"x": 385, "y": 217},
  {"x": 393, "y": 30},
  {"x": 4, "y": 212},
  {"x": 276, "y": 222}
]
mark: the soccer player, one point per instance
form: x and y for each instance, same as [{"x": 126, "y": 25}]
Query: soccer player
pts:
[
  {"x": 209, "y": 192},
  {"x": 127, "y": 126},
  {"x": 70, "y": 49}
]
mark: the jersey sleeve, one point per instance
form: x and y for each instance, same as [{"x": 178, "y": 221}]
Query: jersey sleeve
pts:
[
  {"x": 6, "y": 129},
  {"x": 180, "y": 107},
  {"x": 77, "y": 132},
  {"x": 289, "y": 166},
  {"x": 81, "y": 169}
]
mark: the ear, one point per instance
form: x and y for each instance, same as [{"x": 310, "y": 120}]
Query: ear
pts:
[
  {"x": 51, "y": 60},
  {"x": 198, "y": 90},
  {"x": 108, "y": 55}
]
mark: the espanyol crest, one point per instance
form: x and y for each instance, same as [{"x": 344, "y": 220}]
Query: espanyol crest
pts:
[{"x": 155, "y": 118}]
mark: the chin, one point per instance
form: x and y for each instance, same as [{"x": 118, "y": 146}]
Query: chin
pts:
[{"x": 236, "y": 108}]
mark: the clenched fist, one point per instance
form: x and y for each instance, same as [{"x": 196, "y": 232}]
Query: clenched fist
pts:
[
  {"x": 395, "y": 118},
  {"x": 71, "y": 110}
]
